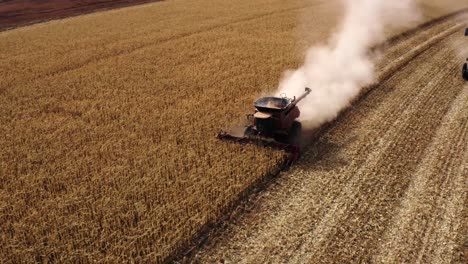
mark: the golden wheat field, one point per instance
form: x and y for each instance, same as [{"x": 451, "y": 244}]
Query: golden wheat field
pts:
[{"x": 108, "y": 122}]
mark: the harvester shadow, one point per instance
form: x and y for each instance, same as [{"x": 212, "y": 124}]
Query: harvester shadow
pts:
[{"x": 325, "y": 155}]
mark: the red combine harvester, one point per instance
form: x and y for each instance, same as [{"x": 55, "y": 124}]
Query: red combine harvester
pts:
[{"x": 273, "y": 124}]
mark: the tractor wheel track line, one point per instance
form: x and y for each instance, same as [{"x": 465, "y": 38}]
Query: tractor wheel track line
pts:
[
  {"x": 430, "y": 96},
  {"x": 447, "y": 164},
  {"x": 394, "y": 115},
  {"x": 461, "y": 195},
  {"x": 432, "y": 222},
  {"x": 388, "y": 71},
  {"x": 263, "y": 182},
  {"x": 384, "y": 252},
  {"x": 391, "y": 138},
  {"x": 387, "y": 256},
  {"x": 353, "y": 179},
  {"x": 439, "y": 200},
  {"x": 463, "y": 226}
]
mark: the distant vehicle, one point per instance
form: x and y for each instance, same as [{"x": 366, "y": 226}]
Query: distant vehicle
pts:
[{"x": 465, "y": 66}]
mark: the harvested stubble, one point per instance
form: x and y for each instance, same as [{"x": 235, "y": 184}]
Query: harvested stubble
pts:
[{"x": 108, "y": 122}]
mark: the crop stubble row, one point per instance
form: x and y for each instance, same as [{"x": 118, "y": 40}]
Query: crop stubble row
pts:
[{"x": 376, "y": 190}]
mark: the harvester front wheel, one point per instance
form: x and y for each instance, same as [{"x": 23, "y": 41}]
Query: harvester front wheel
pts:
[
  {"x": 249, "y": 131},
  {"x": 295, "y": 134}
]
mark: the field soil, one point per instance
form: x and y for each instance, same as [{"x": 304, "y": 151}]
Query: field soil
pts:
[
  {"x": 15, "y": 13},
  {"x": 107, "y": 133},
  {"x": 385, "y": 183}
]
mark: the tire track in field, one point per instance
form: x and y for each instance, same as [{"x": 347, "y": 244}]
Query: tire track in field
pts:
[
  {"x": 433, "y": 231},
  {"x": 439, "y": 176},
  {"x": 334, "y": 209},
  {"x": 447, "y": 195},
  {"x": 381, "y": 173},
  {"x": 347, "y": 190}
]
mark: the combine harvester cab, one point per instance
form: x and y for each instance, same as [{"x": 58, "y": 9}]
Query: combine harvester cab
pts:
[{"x": 273, "y": 124}]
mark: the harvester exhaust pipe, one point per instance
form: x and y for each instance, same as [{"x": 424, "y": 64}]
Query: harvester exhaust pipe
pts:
[
  {"x": 307, "y": 92},
  {"x": 295, "y": 101}
]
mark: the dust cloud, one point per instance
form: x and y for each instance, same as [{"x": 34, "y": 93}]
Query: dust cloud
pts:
[{"x": 336, "y": 72}]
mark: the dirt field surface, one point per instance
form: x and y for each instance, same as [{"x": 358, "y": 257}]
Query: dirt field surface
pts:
[
  {"x": 386, "y": 183},
  {"x": 15, "y": 13},
  {"x": 108, "y": 149}
]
